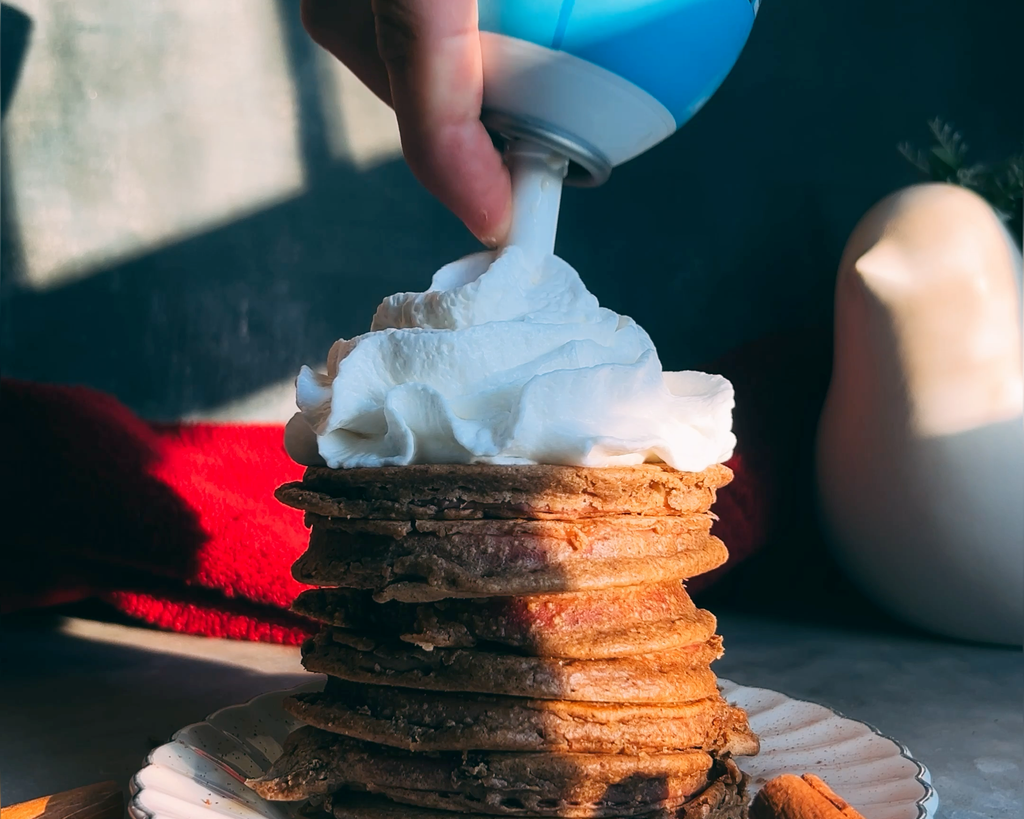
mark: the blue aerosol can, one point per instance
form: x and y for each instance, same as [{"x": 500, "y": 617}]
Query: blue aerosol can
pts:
[{"x": 601, "y": 81}]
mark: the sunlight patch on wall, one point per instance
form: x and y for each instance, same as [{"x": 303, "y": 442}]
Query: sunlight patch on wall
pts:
[
  {"x": 361, "y": 130},
  {"x": 137, "y": 124},
  {"x": 273, "y": 404}
]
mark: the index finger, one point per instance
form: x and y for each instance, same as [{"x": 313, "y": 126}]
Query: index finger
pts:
[{"x": 432, "y": 52}]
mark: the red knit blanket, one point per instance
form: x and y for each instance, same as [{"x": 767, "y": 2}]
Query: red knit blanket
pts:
[{"x": 177, "y": 525}]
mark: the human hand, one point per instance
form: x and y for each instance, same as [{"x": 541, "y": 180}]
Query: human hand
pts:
[{"x": 422, "y": 57}]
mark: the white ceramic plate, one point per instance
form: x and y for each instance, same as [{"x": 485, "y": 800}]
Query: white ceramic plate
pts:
[{"x": 200, "y": 773}]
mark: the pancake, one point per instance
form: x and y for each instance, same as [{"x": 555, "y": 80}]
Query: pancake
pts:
[
  {"x": 725, "y": 798},
  {"x": 423, "y": 561},
  {"x": 595, "y": 625},
  {"x": 428, "y": 721},
  {"x": 677, "y": 675},
  {"x": 473, "y": 491},
  {"x": 510, "y": 641},
  {"x": 317, "y": 763}
]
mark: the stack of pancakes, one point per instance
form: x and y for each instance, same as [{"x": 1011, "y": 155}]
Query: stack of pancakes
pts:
[{"x": 510, "y": 641}]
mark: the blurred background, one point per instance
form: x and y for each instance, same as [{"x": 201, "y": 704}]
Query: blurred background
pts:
[{"x": 197, "y": 200}]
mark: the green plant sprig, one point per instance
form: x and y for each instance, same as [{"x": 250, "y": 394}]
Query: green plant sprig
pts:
[{"x": 1002, "y": 184}]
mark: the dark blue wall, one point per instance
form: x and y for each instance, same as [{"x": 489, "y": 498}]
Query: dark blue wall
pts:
[{"x": 729, "y": 230}]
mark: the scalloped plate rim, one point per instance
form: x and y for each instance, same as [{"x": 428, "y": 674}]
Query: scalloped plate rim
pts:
[{"x": 927, "y": 804}]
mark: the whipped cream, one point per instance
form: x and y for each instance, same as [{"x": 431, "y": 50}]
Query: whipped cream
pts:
[{"x": 506, "y": 359}]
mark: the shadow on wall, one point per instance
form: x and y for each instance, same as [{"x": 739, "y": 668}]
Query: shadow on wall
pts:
[
  {"x": 730, "y": 230},
  {"x": 16, "y": 27},
  {"x": 15, "y": 32}
]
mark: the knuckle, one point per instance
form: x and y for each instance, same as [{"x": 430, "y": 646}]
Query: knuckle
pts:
[
  {"x": 398, "y": 28},
  {"x": 317, "y": 16},
  {"x": 334, "y": 21}
]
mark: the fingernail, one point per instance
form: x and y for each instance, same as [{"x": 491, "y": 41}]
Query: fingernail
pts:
[{"x": 497, "y": 237}]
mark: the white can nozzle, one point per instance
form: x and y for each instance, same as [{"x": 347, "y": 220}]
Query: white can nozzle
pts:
[{"x": 537, "y": 175}]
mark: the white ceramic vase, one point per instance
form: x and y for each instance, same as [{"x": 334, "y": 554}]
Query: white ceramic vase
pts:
[{"x": 920, "y": 451}]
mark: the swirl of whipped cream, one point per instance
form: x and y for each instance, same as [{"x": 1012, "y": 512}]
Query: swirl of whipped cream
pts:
[{"x": 506, "y": 360}]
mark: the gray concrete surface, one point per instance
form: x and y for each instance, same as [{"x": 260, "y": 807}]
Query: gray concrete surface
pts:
[
  {"x": 196, "y": 201},
  {"x": 82, "y": 702},
  {"x": 958, "y": 708}
]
